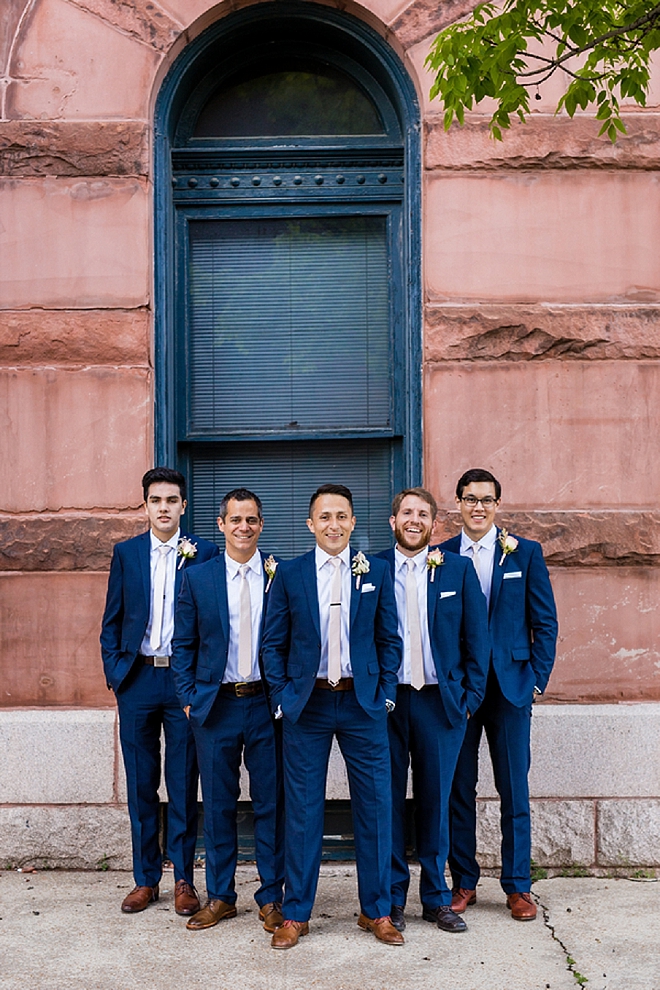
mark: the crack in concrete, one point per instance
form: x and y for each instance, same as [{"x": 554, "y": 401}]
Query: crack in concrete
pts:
[{"x": 571, "y": 964}]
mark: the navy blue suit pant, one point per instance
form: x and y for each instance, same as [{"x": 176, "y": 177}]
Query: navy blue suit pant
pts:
[
  {"x": 421, "y": 735},
  {"x": 147, "y": 702},
  {"x": 235, "y": 728},
  {"x": 364, "y": 746},
  {"x": 507, "y": 729}
]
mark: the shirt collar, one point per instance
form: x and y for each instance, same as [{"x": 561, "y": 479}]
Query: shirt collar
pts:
[
  {"x": 419, "y": 560},
  {"x": 487, "y": 542},
  {"x": 322, "y": 557},
  {"x": 155, "y": 542},
  {"x": 233, "y": 566}
]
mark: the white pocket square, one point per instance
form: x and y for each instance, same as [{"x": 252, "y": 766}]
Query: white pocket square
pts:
[
  {"x": 447, "y": 594},
  {"x": 368, "y": 587},
  {"x": 511, "y": 574}
]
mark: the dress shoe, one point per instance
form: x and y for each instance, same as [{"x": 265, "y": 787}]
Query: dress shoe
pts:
[
  {"x": 462, "y": 898},
  {"x": 397, "y": 918},
  {"x": 138, "y": 899},
  {"x": 522, "y": 906},
  {"x": 444, "y": 918},
  {"x": 186, "y": 900},
  {"x": 271, "y": 915},
  {"x": 382, "y": 928},
  {"x": 211, "y": 914},
  {"x": 287, "y": 935}
]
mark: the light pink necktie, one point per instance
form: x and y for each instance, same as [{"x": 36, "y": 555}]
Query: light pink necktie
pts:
[
  {"x": 160, "y": 576},
  {"x": 334, "y": 626},
  {"x": 414, "y": 629},
  {"x": 245, "y": 626}
]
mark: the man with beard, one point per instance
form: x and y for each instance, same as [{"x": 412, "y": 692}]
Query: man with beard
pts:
[{"x": 442, "y": 679}]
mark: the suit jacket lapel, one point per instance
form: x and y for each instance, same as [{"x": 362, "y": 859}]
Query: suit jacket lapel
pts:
[
  {"x": 496, "y": 582},
  {"x": 433, "y": 589},
  {"x": 308, "y": 568},
  {"x": 220, "y": 582},
  {"x": 178, "y": 573},
  {"x": 355, "y": 592},
  {"x": 145, "y": 567}
]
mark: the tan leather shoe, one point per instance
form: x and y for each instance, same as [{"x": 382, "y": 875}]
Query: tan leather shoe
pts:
[
  {"x": 186, "y": 900},
  {"x": 382, "y": 928},
  {"x": 139, "y": 899},
  {"x": 462, "y": 898},
  {"x": 288, "y": 933},
  {"x": 271, "y": 915},
  {"x": 522, "y": 906},
  {"x": 210, "y": 915}
]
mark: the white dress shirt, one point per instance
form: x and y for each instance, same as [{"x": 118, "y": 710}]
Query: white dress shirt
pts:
[
  {"x": 165, "y": 649},
  {"x": 325, "y": 572},
  {"x": 421, "y": 579},
  {"x": 487, "y": 546},
  {"x": 255, "y": 579}
]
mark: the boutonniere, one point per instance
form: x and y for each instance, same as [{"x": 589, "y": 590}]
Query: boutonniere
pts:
[
  {"x": 185, "y": 550},
  {"x": 359, "y": 566},
  {"x": 270, "y": 566},
  {"x": 508, "y": 543},
  {"x": 435, "y": 559}
]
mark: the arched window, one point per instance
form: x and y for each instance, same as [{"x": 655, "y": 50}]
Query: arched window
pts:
[{"x": 288, "y": 320}]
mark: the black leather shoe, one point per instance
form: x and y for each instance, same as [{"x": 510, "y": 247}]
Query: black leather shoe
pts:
[
  {"x": 444, "y": 918},
  {"x": 397, "y": 918}
]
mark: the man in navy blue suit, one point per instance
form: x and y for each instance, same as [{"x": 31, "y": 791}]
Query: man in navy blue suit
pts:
[
  {"x": 145, "y": 575},
  {"x": 442, "y": 680},
  {"x": 217, "y": 673},
  {"x": 331, "y": 654},
  {"x": 523, "y": 636}
]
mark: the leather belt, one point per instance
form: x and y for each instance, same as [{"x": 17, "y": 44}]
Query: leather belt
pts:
[
  {"x": 409, "y": 687},
  {"x": 345, "y": 684},
  {"x": 155, "y": 661},
  {"x": 243, "y": 689}
]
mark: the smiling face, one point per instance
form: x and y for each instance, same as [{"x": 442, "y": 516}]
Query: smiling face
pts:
[
  {"x": 412, "y": 525},
  {"x": 332, "y": 523},
  {"x": 478, "y": 518},
  {"x": 164, "y": 508},
  {"x": 241, "y": 529}
]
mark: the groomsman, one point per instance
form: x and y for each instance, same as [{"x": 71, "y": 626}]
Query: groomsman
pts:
[
  {"x": 331, "y": 655},
  {"x": 442, "y": 679},
  {"x": 218, "y": 678},
  {"x": 523, "y": 636},
  {"x": 145, "y": 575}
]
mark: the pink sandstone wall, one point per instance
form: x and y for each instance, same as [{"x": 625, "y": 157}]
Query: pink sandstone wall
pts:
[{"x": 541, "y": 337}]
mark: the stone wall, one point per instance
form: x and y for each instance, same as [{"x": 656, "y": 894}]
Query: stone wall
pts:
[{"x": 541, "y": 351}]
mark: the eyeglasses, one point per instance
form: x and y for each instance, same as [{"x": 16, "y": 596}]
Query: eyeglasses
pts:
[{"x": 488, "y": 502}]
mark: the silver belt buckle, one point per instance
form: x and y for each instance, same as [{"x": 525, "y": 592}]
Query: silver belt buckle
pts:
[{"x": 161, "y": 661}]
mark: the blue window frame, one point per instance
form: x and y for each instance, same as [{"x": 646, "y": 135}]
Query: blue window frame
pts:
[{"x": 288, "y": 299}]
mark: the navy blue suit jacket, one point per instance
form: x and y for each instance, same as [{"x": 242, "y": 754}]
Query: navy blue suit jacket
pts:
[
  {"x": 458, "y": 631},
  {"x": 201, "y": 636},
  {"x": 522, "y": 620},
  {"x": 292, "y": 636},
  {"x": 128, "y": 601}
]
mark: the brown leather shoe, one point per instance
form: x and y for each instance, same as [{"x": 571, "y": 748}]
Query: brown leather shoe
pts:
[
  {"x": 382, "y": 928},
  {"x": 288, "y": 933},
  {"x": 186, "y": 900},
  {"x": 522, "y": 906},
  {"x": 271, "y": 915},
  {"x": 462, "y": 898},
  {"x": 210, "y": 915},
  {"x": 139, "y": 899}
]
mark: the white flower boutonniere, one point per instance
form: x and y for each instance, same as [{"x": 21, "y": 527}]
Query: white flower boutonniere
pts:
[
  {"x": 435, "y": 559},
  {"x": 186, "y": 550},
  {"x": 359, "y": 566},
  {"x": 270, "y": 566},
  {"x": 508, "y": 543}
]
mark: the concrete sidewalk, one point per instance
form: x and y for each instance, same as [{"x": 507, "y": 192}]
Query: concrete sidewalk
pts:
[{"x": 62, "y": 930}]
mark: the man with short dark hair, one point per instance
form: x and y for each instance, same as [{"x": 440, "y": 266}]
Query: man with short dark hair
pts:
[
  {"x": 442, "y": 679},
  {"x": 216, "y": 659},
  {"x": 523, "y": 636},
  {"x": 331, "y": 654},
  {"x": 136, "y": 636}
]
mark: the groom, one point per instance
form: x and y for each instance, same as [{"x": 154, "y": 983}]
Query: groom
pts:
[{"x": 331, "y": 653}]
